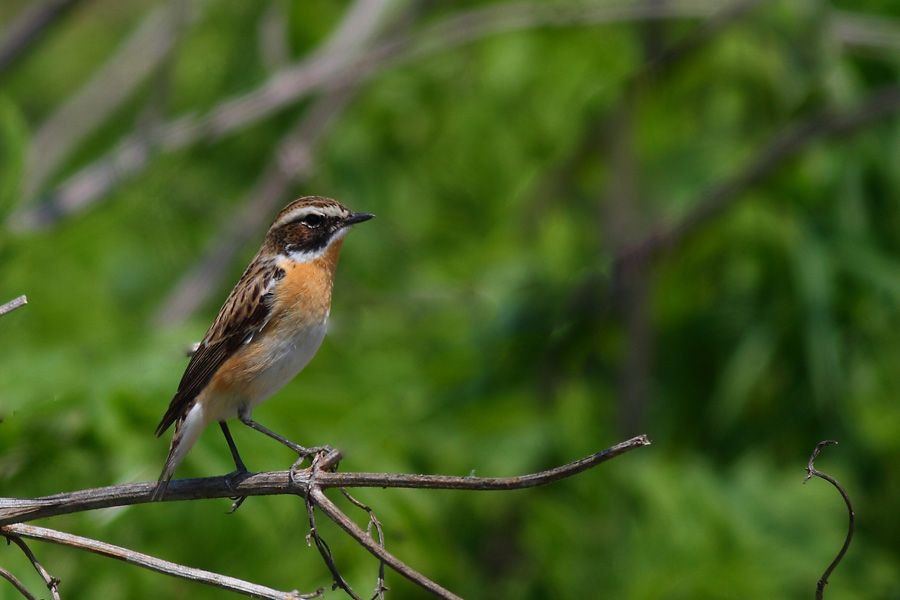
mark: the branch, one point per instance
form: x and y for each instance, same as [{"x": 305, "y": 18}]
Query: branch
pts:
[
  {"x": 15, "y": 531},
  {"x": 288, "y": 86},
  {"x": 52, "y": 582},
  {"x": 13, "y": 305},
  {"x": 28, "y": 28},
  {"x": 811, "y": 472},
  {"x": 337, "y": 579},
  {"x": 868, "y": 32},
  {"x": 16, "y": 583},
  {"x": 374, "y": 525},
  {"x": 318, "y": 497},
  {"x": 271, "y": 483},
  {"x": 309, "y": 484}
]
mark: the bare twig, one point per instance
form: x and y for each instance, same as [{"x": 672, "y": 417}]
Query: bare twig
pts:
[
  {"x": 16, "y": 583},
  {"x": 337, "y": 579},
  {"x": 52, "y": 582},
  {"x": 29, "y": 27},
  {"x": 309, "y": 484},
  {"x": 374, "y": 525},
  {"x": 14, "y": 510},
  {"x": 811, "y": 472},
  {"x": 17, "y": 530},
  {"x": 13, "y": 305},
  {"x": 289, "y": 85},
  {"x": 343, "y": 521}
]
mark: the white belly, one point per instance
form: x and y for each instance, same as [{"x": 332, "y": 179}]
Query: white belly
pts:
[{"x": 288, "y": 356}]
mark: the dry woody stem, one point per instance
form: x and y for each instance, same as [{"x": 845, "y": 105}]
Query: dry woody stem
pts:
[
  {"x": 20, "y": 587},
  {"x": 13, "y": 305},
  {"x": 811, "y": 472},
  {"x": 52, "y": 582},
  {"x": 309, "y": 484}
]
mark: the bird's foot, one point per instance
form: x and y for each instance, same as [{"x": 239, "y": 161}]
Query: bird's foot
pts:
[
  {"x": 314, "y": 453},
  {"x": 231, "y": 481}
]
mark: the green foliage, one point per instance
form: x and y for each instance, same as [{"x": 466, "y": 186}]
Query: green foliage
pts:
[
  {"x": 474, "y": 326},
  {"x": 12, "y": 154}
]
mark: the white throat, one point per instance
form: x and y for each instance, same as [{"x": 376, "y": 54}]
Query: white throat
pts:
[{"x": 304, "y": 256}]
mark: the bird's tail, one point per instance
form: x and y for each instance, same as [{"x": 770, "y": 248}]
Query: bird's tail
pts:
[{"x": 187, "y": 431}]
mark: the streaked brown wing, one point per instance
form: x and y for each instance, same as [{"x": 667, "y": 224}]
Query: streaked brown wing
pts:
[{"x": 244, "y": 314}]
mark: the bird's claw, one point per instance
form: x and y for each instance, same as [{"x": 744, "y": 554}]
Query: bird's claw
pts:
[
  {"x": 231, "y": 480},
  {"x": 312, "y": 453}
]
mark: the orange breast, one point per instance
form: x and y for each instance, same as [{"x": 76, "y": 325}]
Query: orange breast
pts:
[
  {"x": 304, "y": 293},
  {"x": 301, "y": 302}
]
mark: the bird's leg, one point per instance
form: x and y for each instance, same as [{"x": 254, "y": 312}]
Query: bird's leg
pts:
[
  {"x": 302, "y": 451},
  {"x": 235, "y": 455},
  {"x": 240, "y": 468}
]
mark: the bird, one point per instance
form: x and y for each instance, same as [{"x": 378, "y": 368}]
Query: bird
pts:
[{"x": 269, "y": 328}]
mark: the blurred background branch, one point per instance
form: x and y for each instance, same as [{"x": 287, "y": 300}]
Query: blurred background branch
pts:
[
  {"x": 152, "y": 42},
  {"x": 334, "y": 65},
  {"x": 866, "y": 32},
  {"x": 141, "y": 54},
  {"x": 29, "y": 27}
]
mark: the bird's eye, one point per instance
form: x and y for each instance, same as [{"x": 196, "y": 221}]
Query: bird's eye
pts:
[{"x": 312, "y": 220}]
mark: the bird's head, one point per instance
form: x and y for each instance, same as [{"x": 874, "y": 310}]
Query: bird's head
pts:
[{"x": 306, "y": 227}]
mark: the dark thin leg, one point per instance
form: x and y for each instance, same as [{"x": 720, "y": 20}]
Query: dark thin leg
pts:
[
  {"x": 301, "y": 450},
  {"x": 238, "y": 463},
  {"x": 240, "y": 468}
]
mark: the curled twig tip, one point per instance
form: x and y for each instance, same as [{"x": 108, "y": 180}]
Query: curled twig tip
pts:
[
  {"x": 810, "y": 466},
  {"x": 811, "y": 471}
]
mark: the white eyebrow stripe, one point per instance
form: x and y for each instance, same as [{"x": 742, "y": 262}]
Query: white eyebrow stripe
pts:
[{"x": 299, "y": 213}]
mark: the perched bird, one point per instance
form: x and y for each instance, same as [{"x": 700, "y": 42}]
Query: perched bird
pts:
[{"x": 267, "y": 331}]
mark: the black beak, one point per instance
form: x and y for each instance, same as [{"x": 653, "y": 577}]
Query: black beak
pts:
[{"x": 357, "y": 218}]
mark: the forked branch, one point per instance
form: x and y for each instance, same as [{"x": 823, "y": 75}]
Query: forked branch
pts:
[{"x": 309, "y": 484}]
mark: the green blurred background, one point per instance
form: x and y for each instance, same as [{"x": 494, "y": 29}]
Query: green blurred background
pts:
[{"x": 505, "y": 313}]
